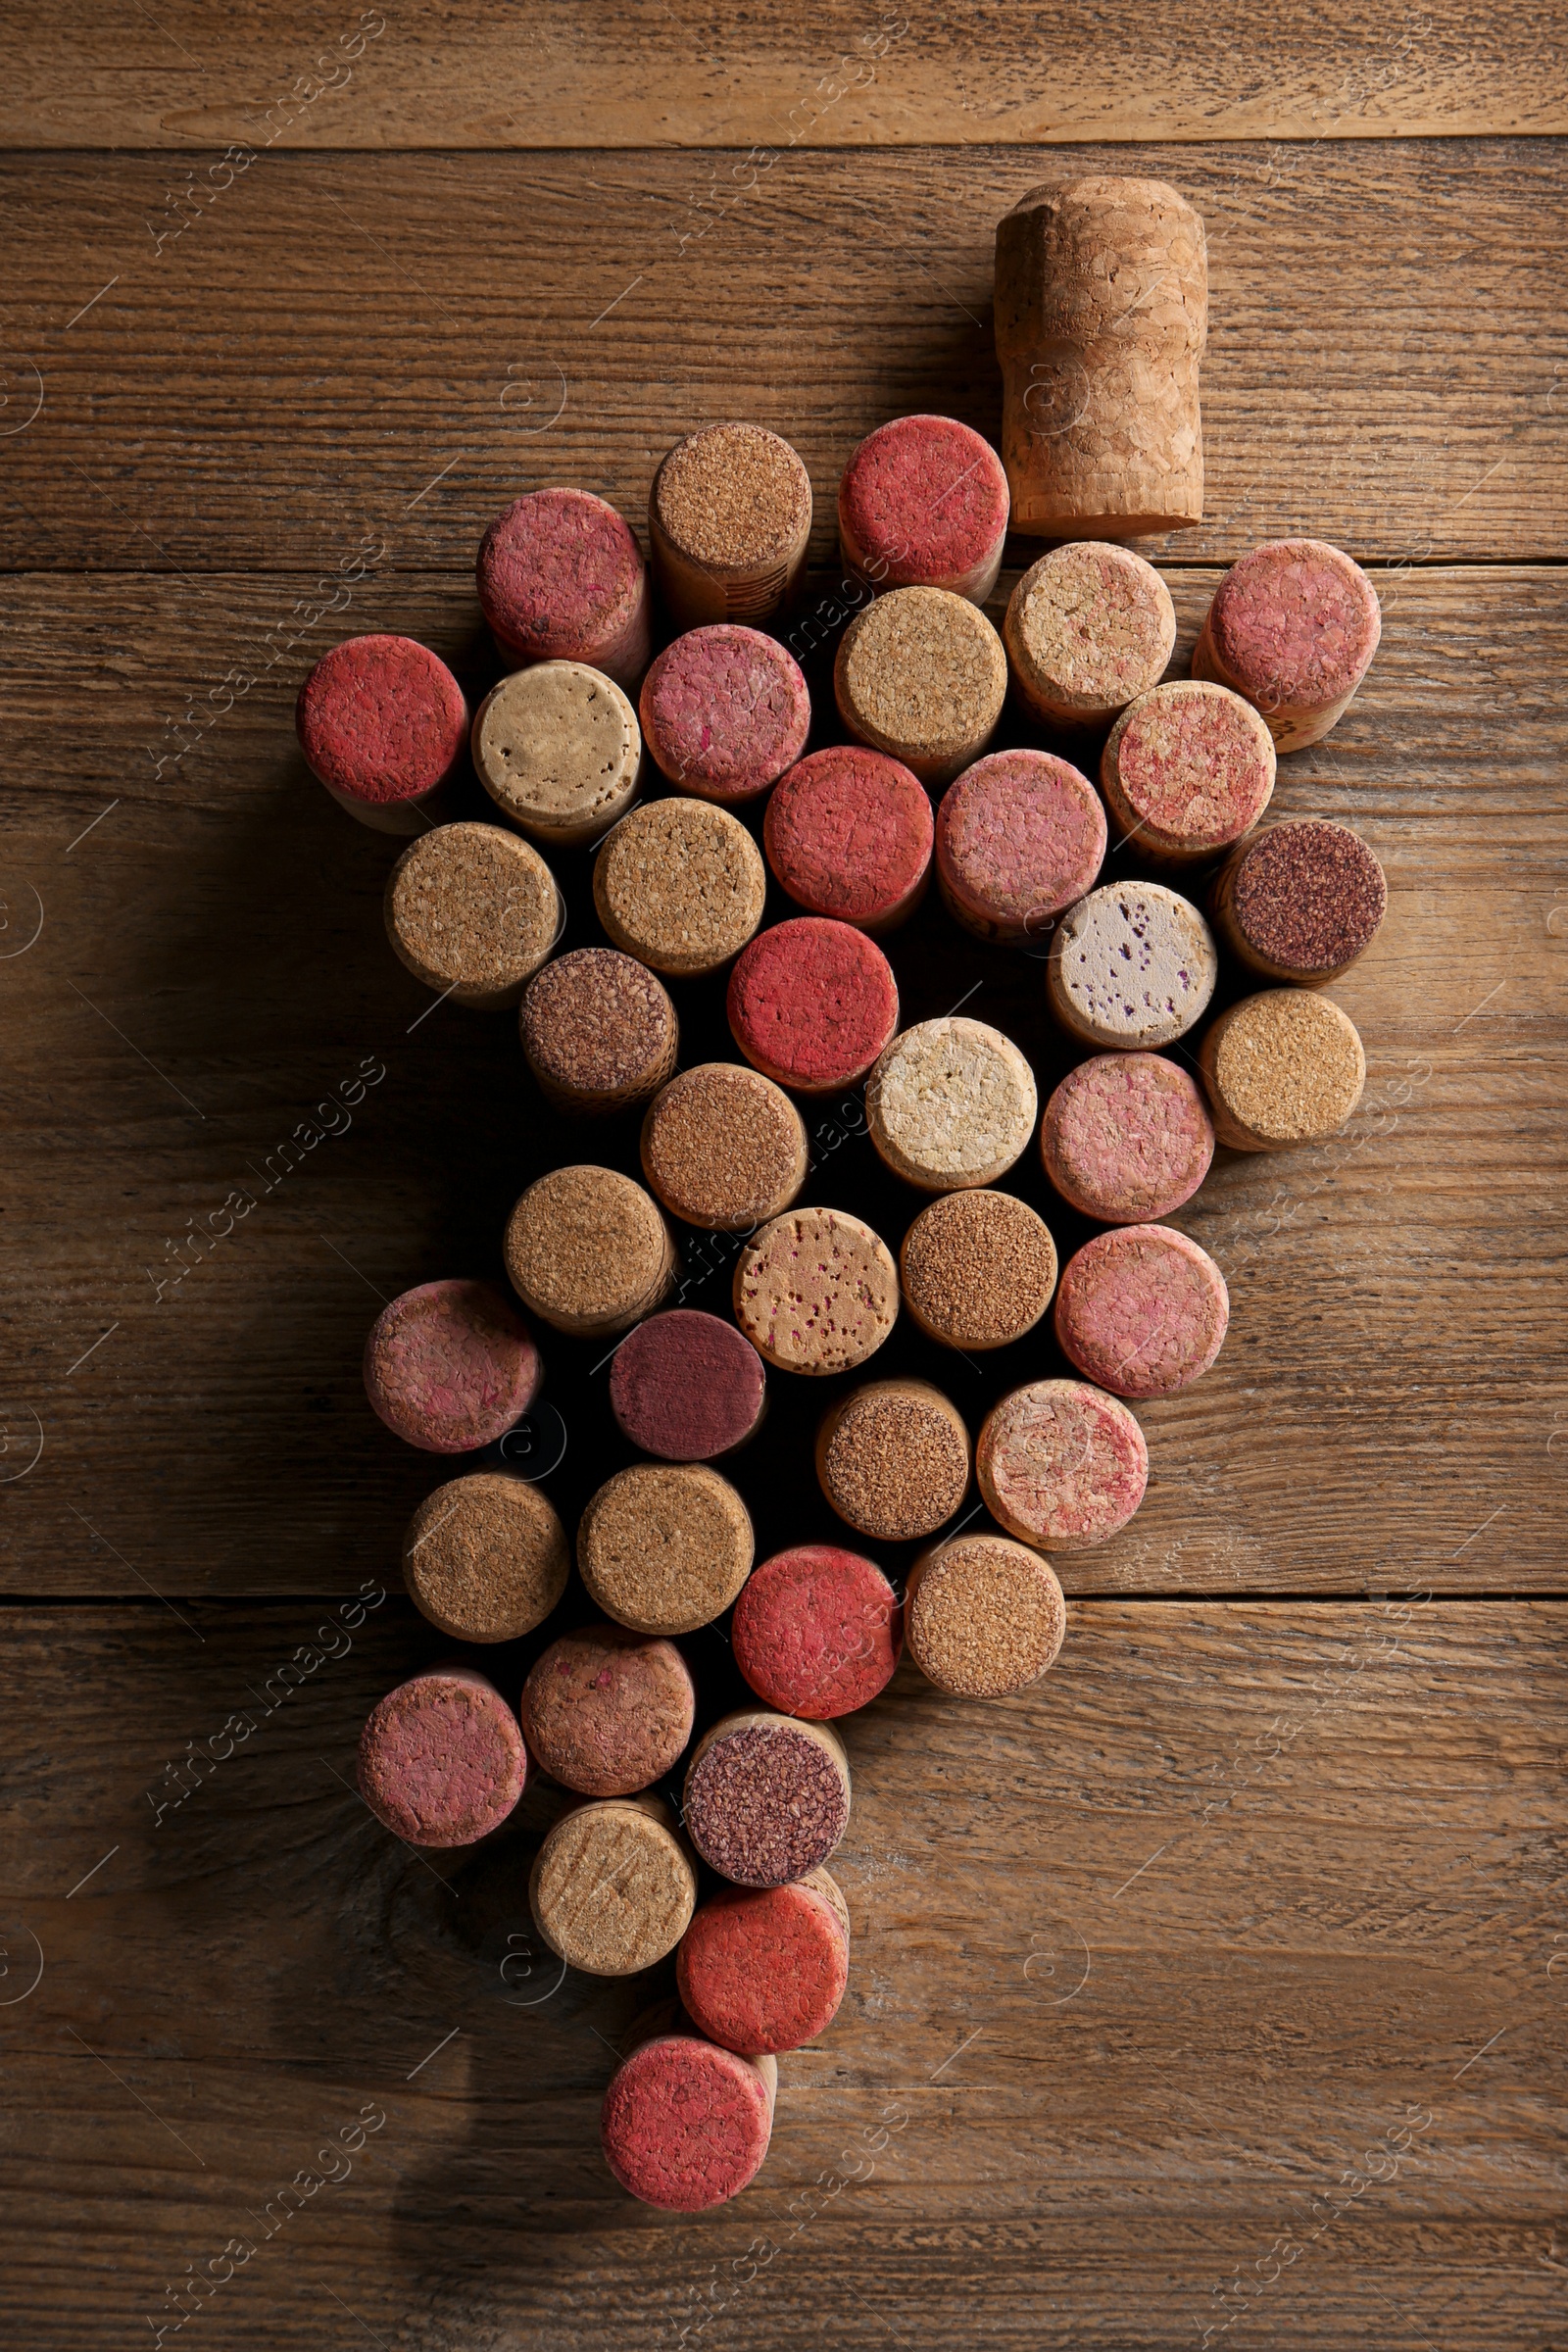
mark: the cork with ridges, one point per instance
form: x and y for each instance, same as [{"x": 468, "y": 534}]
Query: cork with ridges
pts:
[
  {"x": 685, "y": 2124},
  {"x": 921, "y": 675},
  {"x": 612, "y": 1887},
  {"x": 729, "y": 516},
  {"x": 558, "y": 749},
  {"x": 1300, "y": 903},
  {"x": 442, "y": 1761},
  {"x": 767, "y": 1797},
  {"x": 1089, "y": 628},
  {"x": 1283, "y": 1067},
  {"x": 687, "y": 1387},
  {"x": 893, "y": 1459},
  {"x": 664, "y": 1547},
  {"x": 978, "y": 1269},
  {"x": 1126, "y": 1137},
  {"x": 599, "y": 1032},
  {"x": 1062, "y": 1463},
  {"x": 680, "y": 885},
  {"x": 811, "y": 1004},
  {"x": 607, "y": 1711},
  {"x": 763, "y": 1969},
  {"x": 561, "y": 577},
  {"x": 588, "y": 1251},
  {"x": 1141, "y": 1311},
  {"x": 923, "y": 502},
  {"x": 983, "y": 1616},
  {"x": 485, "y": 1557},
  {"x": 382, "y": 724},
  {"x": 1131, "y": 967},
  {"x": 473, "y": 912},
  {"x": 725, "y": 711},
  {"x": 1293, "y": 628},
  {"x": 816, "y": 1292},
  {"x": 723, "y": 1148},
  {"x": 817, "y": 1631},
  {"x": 1020, "y": 835},
  {"x": 951, "y": 1103},
  {"x": 1186, "y": 770},
  {"x": 451, "y": 1366},
  {"x": 849, "y": 834}
]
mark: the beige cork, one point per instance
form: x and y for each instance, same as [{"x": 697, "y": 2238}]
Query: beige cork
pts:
[
  {"x": 950, "y": 1103},
  {"x": 1131, "y": 967},
  {"x": 817, "y": 1290},
  {"x": 614, "y": 1889},
  {"x": 893, "y": 1459},
  {"x": 983, "y": 1616},
  {"x": 558, "y": 749},
  {"x": 723, "y": 1148},
  {"x": 1283, "y": 1067},
  {"x": 599, "y": 1032},
  {"x": 588, "y": 1251},
  {"x": 473, "y": 912},
  {"x": 729, "y": 516},
  {"x": 1186, "y": 770},
  {"x": 485, "y": 1557},
  {"x": 921, "y": 675},
  {"x": 1089, "y": 628},
  {"x": 665, "y": 1546},
  {"x": 978, "y": 1270},
  {"x": 680, "y": 886}
]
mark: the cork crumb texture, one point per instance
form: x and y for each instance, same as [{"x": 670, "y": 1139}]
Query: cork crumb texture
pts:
[
  {"x": 1141, "y": 1311},
  {"x": 685, "y": 2124},
  {"x": 978, "y": 1269},
  {"x": 561, "y": 577},
  {"x": 1283, "y": 1067},
  {"x": 725, "y": 711},
  {"x": 599, "y": 1031},
  {"x": 1301, "y": 901},
  {"x": 587, "y": 1250},
  {"x": 451, "y": 1366},
  {"x": 984, "y": 1617},
  {"x": 763, "y": 1970},
  {"x": 558, "y": 749},
  {"x": 817, "y": 1290},
  {"x": 723, "y": 1148},
  {"x": 951, "y": 1103},
  {"x": 1062, "y": 1464},
  {"x": 767, "y": 1797},
  {"x": 1127, "y": 1138},
  {"x": 849, "y": 832},
  {"x": 1132, "y": 965},
  {"x": 442, "y": 1761},
  {"x": 923, "y": 502},
  {"x": 680, "y": 884},
  {"x": 733, "y": 497},
  {"x": 485, "y": 1557},
  {"x": 381, "y": 720},
  {"x": 473, "y": 912},
  {"x": 921, "y": 675},
  {"x": 664, "y": 1547},
  {"x": 1293, "y": 628},
  {"x": 1089, "y": 628},
  {"x": 893, "y": 1459},
  {"x": 1187, "y": 769}
]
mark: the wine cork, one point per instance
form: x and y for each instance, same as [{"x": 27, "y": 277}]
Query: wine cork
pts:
[
  {"x": 1141, "y": 1311},
  {"x": 1283, "y": 1067},
  {"x": 1187, "y": 769},
  {"x": 983, "y": 1616},
  {"x": 725, "y": 711},
  {"x": 978, "y": 1269},
  {"x": 763, "y": 1969},
  {"x": 817, "y": 1631},
  {"x": 1127, "y": 1138},
  {"x": 607, "y": 1711},
  {"x": 1089, "y": 628},
  {"x": 664, "y": 1547},
  {"x": 680, "y": 886},
  {"x": 849, "y": 832},
  {"x": 588, "y": 1251},
  {"x": 1020, "y": 835},
  {"x": 923, "y": 503},
  {"x": 450, "y": 1366},
  {"x": 473, "y": 912},
  {"x": 558, "y": 749},
  {"x": 441, "y": 1759},
  {"x": 811, "y": 1004},
  {"x": 1062, "y": 1463},
  {"x": 485, "y": 1557},
  {"x": 893, "y": 1459},
  {"x": 612, "y": 1888},
  {"x": 1102, "y": 314},
  {"x": 382, "y": 724},
  {"x": 950, "y": 1103},
  {"x": 1293, "y": 628},
  {"x": 685, "y": 2124},
  {"x": 817, "y": 1290},
  {"x": 599, "y": 1031},
  {"x": 729, "y": 516},
  {"x": 686, "y": 1386},
  {"x": 723, "y": 1148},
  {"x": 562, "y": 579},
  {"x": 767, "y": 1798},
  {"x": 921, "y": 675},
  {"x": 1133, "y": 966},
  {"x": 1300, "y": 903}
]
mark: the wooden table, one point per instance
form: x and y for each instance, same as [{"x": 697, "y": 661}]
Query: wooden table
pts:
[{"x": 1213, "y": 1992}]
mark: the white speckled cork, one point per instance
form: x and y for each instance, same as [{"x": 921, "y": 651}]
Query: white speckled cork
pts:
[
  {"x": 558, "y": 749},
  {"x": 473, "y": 912},
  {"x": 1132, "y": 967},
  {"x": 1089, "y": 628},
  {"x": 950, "y": 1103},
  {"x": 680, "y": 886}
]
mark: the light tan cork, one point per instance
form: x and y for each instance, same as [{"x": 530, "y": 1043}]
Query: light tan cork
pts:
[
  {"x": 485, "y": 1557},
  {"x": 1282, "y": 1067},
  {"x": 612, "y": 1888},
  {"x": 950, "y": 1103},
  {"x": 893, "y": 1459},
  {"x": 723, "y": 1148},
  {"x": 588, "y": 1251},
  {"x": 983, "y": 1616},
  {"x": 473, "y": 912},
  {"x": 558, "y": 749},
  {"x": 1089, "y": 628},
  {"x": 1131, "y": 967},
  {"x": 680, "y": 886},
  {"x": 922, "y": 674},
  {"x": 817, "y": 1290},
  {"x": 729, "y": 516},
  {"x": 665, "y": 1546}
]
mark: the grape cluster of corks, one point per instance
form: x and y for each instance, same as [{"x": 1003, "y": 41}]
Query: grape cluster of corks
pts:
[{"x": 685, "y": 771}]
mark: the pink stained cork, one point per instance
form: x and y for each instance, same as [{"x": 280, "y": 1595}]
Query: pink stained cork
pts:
[
  {"x": 1186, "y": 770},
  {"x": 1062, "y": 1463},
  {"x": 1293, "y": 628},
  {"x": 382, "y": 724},
  {"x": 561, "y": 578},
  {"x": 923, "y": 503},
  {"x": 685, "y": 2124},
  {"x": 811, "y": 1004},
  {"x": 441, "y": 1759},
  {"x": 1141, "y": 1311},
  {"x": 725, "y": 711},
  {"x": 1127, "y": 1138},
  {"x": 451, "y": 1366},
  {"x": 762, "y": 1969},
  {"x": 848, "y": 833},
  {"x": 687, "y": 1387},
  {"x": 817, "y": 1631},
  {"x": 1020, "y": 835}
]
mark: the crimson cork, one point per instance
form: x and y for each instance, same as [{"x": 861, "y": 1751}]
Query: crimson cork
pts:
[
  {"x": 1142, "y": 1311},
  {"x": 441, "y": 1759},
  {"x": 811, "y": 1004},
  {"x": 607, "y": 1711},
  {"x": 1293, "y": 628},
  {"x": 725, "y": 711},
  {"x": 762, "y": 1969},
  {"x": 923, "y": 502},
  {"x": 1126, "y": 1137},
  {"x": 382, "y": 724},
  {"x": 451, "y": 1366},
  {"x": 685, "y": 2124},
  {"x": 848, "y": 833},
  {"x": 817, "y": 1631},
  {"x": 767, "y": 1799},
  {"x": 561, "y": 578},
  {"x": 1062, "y": 1464},
  {"x": 1020, "y": 835},
  {"x": 687, "y": 1387}
]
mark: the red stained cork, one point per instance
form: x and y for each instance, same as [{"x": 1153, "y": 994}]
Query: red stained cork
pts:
[
  {"x": 1126, "y": 1137},
  {"x": 1020, "y": 835},
  {"x": 849, "y": 834},
  {"x": 1301, "y": 901},
  {"x": 441, "y": 1759},
  {"x": 725, "y": 711},
  {"x": 1060, "y": 1463},
  {"x": 1142, "y": 1311},
  {"x": 687, "y": 1387},
  {"x": 1293, "y": 628},
  {"x": 685, "y": 2124},
  {"x": 562, "y": 579},
  {"x": 451, "y": 1366},
  {"x": 767, "y": 1798},
  {"x": 1187, "y": 769},
  {"x": 817, "y": 1631},
  {"x": 811, "y": 1004},
  {"x": 381, "y": 722},
  {"x": 923, "y": 502},
  {"x": 764, "y": 1970},
  {"x": 608, "y": 1711}
]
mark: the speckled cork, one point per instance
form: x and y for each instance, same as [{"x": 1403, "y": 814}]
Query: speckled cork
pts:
[
  {"x": 599, "y": 1032},
  {"x": 664, "y": 1547},
  {"x": 1141, "y": 1311},
  {"x": 607, "y": 1711},
  {"x": 1089, "y": 628},
  {"x": 1284, "y": 1067},
  {"x": 1293, "y": 628},
  {"x": 893, "y": 1459},
  {"x": 763, "y": 1969},
  {"x": 1062, "y": 1463},
  {"x": 685, "y": 2124},
  {"x": 767, "y": 1798},
  {"x": 817, "y": 1290},
  {"x": 485, "y": 1557},
  {"x": 983, "y": 1616},
  {"x": 612, "y": 1887},
  {"x": 561, "y": 577},
  {"x": 441, "y": 1759},
  {"x": 923, "y": 502},
  {"x": 729, "y": 516},
  {"x": 1300, "y": 903},
  {"x": 811, "y": 1004},
  {"x": 950, "y": 1103},
  {"x": 725, "y": 711},
  {"x": 588, "y": 1251},
  {"x": 921, "y": 675},
  {"x": 1020, "y": 835},
  {"x": 978, "y": 1269},
  {"x": 558, "y": 749},
  {"x": 473, "y": 912},
  {"x": 817, "y": 1631},
  {"x": 382, "y": 724},
  {"x": 1186, "y": 770},
  {"x": 680, "y": 886},
  {"x": 1133, "y": 966},
  {"x": 723, "y": 1148},
  {"x": 687, "y": 1387},
  {"x": 849, "y": 834},
  {"x": 451, "y": 1366},
  {"x": 1127, "y": 1137}
]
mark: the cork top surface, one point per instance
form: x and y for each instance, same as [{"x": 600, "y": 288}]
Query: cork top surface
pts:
[
  {"x": 1289, "y": 1065},
  {"x": 441, "y": 1758},
  {"x": 686, "y": 1386},
  {"x": 817, "y": 1631},
  {"x": 680, "y": 884},
  {"x": 611, "y": 1888},
  {"x": 1136, "y": 963},
  {"x": 763, "y": 1969},
  {"x": 558, "y": 571},
  {"x": 767, "y": 1801},
  {"x": 983, "y": 1616},
  {"x": 1296, "y": 623},
  {"x": 894, "y": 1460},
  {"x": 723, "y": 1146},
  {"x": 1141, "y": 1311},
  {"x": 585, "y": 1243},
  {"x": 1021, "y": 835},
  {"x": 921, "y": 672},
  {"x": 817, "y": 1290},
  {"x": 923, "y": 498},
  {"x": 685, "y": 2124},
  {"x": 607, "y": 1711},
  {"x": 1192, "y": 765},
  {"x": 597, "y": 1022},
  {"x": 848, "y": 833},
  {"x": 725, "y": 710},
  {"x": 978, "y": 1268},
  {"x": 451, "y": 1366},
  {"x": 473, "y": 906},
  {"x": 558, "y": 745},
  {"x": 381, "y": 718},
  {"x": 1090, "y": 627},
  {"x": 951, "y": 1103},
  {"x": 664, "y": 1547},
  {"x": 1127, "y": 1137},
  {"x": 1064, "y": 256},
  {"x": 1062, "y": 1463},
  {"x": 732, "y": 497},
  {"x": 485, "y": 1557},
  {"x": 1309, "y": 895},
  {"x": 813, "y": 1003}
]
